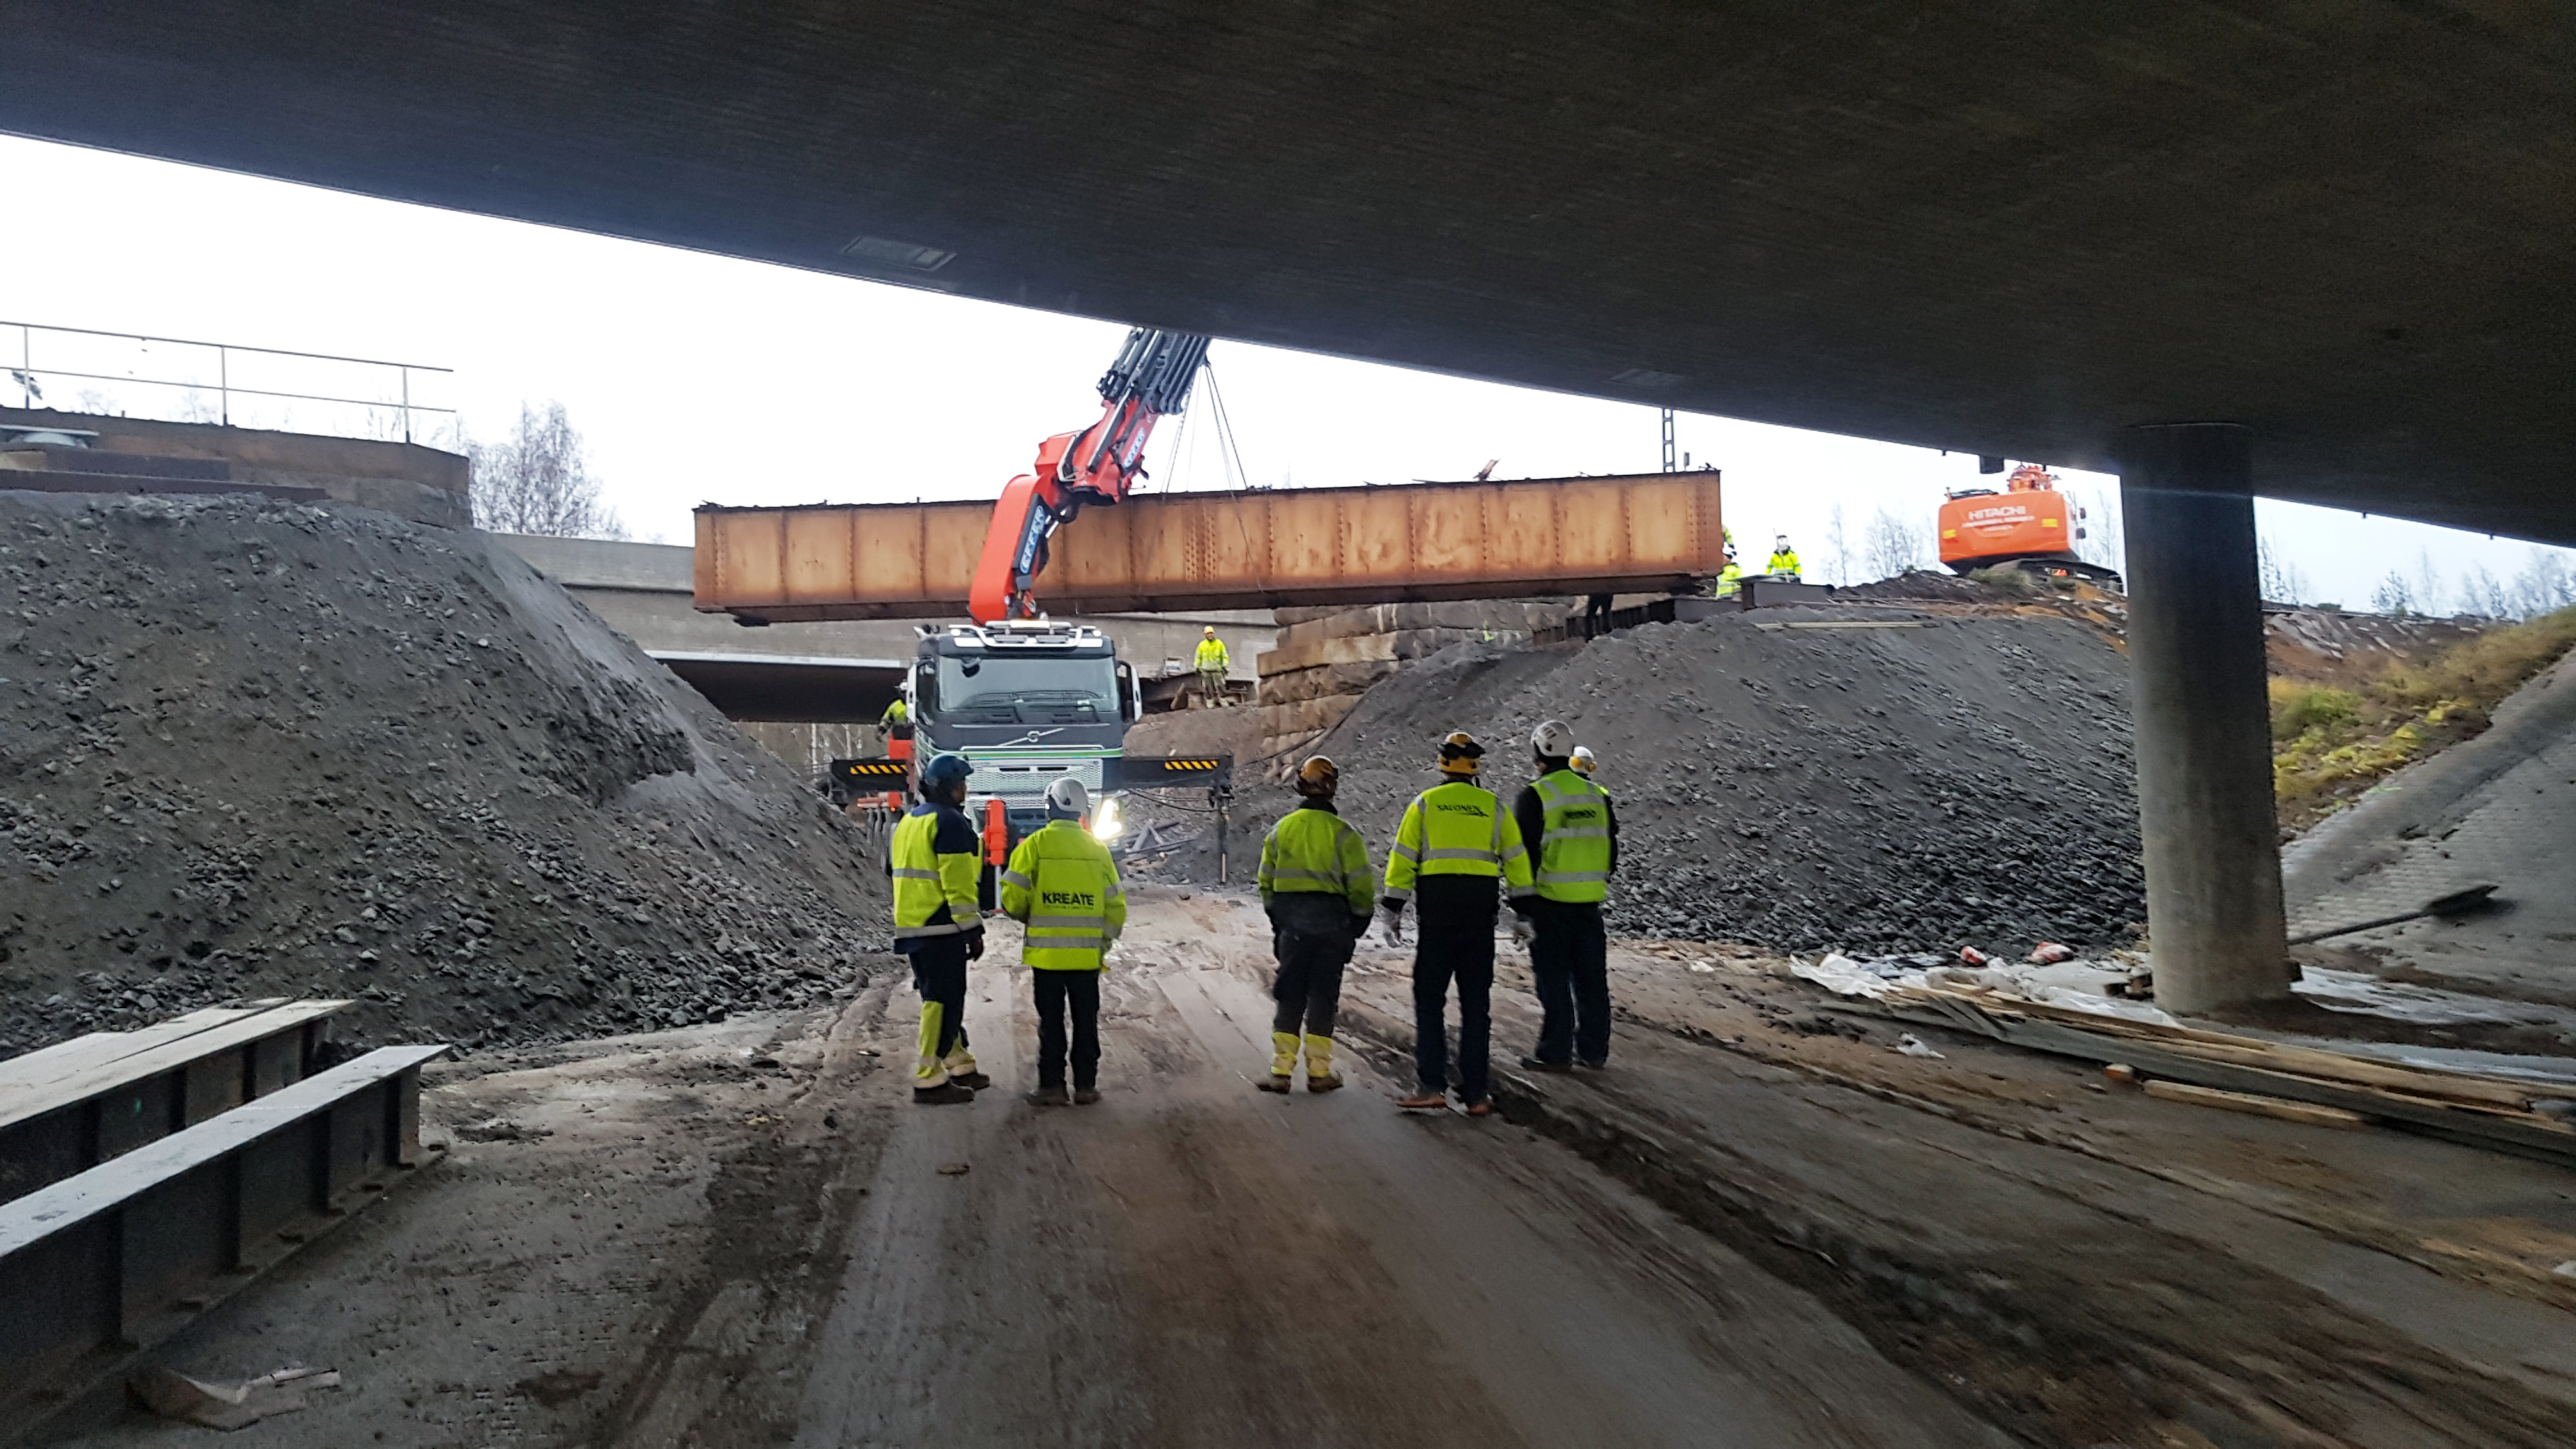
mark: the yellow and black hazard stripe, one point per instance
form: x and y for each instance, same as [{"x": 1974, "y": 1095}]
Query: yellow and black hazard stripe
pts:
[{"x": 870, "y": 769}]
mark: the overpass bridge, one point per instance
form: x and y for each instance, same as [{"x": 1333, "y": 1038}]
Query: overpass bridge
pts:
[
  {"x": 2319, "y": 250},
  {"x": 832, "y": 673}
]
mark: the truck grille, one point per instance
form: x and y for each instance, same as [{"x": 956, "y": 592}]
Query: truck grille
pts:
[{"x": 1025, "y": 781}]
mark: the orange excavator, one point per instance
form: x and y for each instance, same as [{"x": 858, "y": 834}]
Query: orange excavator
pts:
[
  {"x": 2027, "y": 524},
  {"x": 1150, "y": 381}
]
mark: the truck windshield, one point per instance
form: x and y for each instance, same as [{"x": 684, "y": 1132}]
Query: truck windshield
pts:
[{"x": 980, "y": 689}]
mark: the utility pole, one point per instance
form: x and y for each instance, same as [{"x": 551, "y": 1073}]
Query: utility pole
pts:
[{"x": 1672, "y": 461}]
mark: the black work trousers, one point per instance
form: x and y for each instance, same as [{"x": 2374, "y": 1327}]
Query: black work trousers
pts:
[
  {"x": 1056, "y": 990},
  {"x": 1571, "y": 959},
  {"x": 939, "y": 974},
  {"x": 1311, "y": 933},
  {"x": 1448, "y": 949}
]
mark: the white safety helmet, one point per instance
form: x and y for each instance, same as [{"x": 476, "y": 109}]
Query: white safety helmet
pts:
[
  {"x": 1067, "y": 798},
  {"x": 1582, "y": 760},
  {"x": 1553, "y": 739}
]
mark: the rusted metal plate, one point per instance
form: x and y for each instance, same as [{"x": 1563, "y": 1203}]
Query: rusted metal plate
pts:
[{"x": 1639, "y": 533}]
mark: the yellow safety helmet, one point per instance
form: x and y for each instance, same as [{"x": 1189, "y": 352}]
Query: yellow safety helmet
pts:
[
  {"x": 1460, "y": 753},
  {"x": 1582, "y": 760},
  {"x": 1318, "y": 776},
  {"x": 1209, "y": 631}
]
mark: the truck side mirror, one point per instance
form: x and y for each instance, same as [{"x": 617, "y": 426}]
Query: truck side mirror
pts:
[
  {"x": 1130, "y": 708},
  {"x": 925, "y": 689}
]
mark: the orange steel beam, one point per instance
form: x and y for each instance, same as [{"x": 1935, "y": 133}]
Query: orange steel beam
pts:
[{"x": 1640, "y": 533}]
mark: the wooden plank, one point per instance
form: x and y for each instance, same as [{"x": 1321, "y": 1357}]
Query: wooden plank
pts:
[
  {"x": 2287, "y": 1111},
  {"x": 20, "y": 1101},
  {"x": 49, "y": 1210}
]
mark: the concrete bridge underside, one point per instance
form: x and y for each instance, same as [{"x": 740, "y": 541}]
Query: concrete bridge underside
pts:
[{"x": 2343, "y": 231}]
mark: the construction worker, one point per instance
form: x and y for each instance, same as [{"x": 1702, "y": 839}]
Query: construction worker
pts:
[
  {"x": 896, "y": 724},
  {"x": 1213, "y": 665},
  {"x": 1784, "y": 559},
  {"x": 935, "y": 861},
  {"x": 1315, "y": 881},
  {"x": 1577, "y": 835},
  {"x": 1063, "y": 886},
  {"x": 1458, "y": 849},
  {"x": 1729, "y": 578}
]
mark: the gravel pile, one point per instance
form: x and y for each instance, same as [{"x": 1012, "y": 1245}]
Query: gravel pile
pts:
[
  {"x": 253, "y": 749},
  {"x": 1963, "y": 778}
]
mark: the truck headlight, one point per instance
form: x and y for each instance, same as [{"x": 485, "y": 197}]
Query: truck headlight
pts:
[{"x": 1108, "y": 820}]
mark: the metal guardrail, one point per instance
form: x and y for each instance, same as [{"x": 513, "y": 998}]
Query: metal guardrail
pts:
[
  {"x": 103, "y": 1265},
  {"x": 25, "y": 373}
]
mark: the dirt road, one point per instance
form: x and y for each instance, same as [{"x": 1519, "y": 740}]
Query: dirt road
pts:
[
  {"x": 1761, "y": 1227},
  {"x": 1194, "y": 1262}
]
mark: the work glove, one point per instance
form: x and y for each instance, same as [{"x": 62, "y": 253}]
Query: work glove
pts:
[
  {"x": 1392, "y": 931},
  {"x": 975, "y": 944},
  {"x": 1522, "y": 931}
]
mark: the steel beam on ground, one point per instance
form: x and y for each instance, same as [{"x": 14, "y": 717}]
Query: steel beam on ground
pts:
[
  {"x": 69, "y": 1107},
  {"x": 2203, "y": 717},
  {"x": 111, "y": 1261}
]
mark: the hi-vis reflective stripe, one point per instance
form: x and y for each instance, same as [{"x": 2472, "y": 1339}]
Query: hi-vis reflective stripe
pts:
[
  {"x": 1407, "y": 851},
  {"x": 905, "y": 872},
  {"x": 1294, "y": 872},
  {"x": 1013, "y": 877},
  {"x": 1570, "y": 877},
  {"x": 945, "y": 928},
  {"x": 1068, "y": 943},
  {"x": 1463, "y": 853},
  {"x": 1580, "y": 832},
  {"x": 1041, "y": 923}
]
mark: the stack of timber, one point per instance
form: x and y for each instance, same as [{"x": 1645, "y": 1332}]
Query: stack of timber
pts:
[
  {"x": 2495, "y": 1112},
  {"x": 1329, "y": 655}
]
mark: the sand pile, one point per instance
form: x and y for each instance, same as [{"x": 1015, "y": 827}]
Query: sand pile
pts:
[
  {"x": 254, "y": 749},
  {"x": 1790, "y": 781}
]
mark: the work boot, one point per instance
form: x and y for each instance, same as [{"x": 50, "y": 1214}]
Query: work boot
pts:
[
  {"x": 1085, "y": 1096},
  {"x": 1278, "y": 1082},
  {"x": 1326, "y": 1082},
  {"x": 1539, "y": 1064},
  {"x": 971, "y": 1081},
  {"x": 1423, "y": 1101},
  {"x": 1602, "y": 1065},
  {"x": 944, "y": 1095},
  {"x": 1048, "y": 1097},
  {"x": 1481, "y": 1107}
]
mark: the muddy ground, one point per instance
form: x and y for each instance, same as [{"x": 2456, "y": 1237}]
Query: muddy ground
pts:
[
  {"x": 1762, "y": 1227},
  {"x": 253, "y": 749}
]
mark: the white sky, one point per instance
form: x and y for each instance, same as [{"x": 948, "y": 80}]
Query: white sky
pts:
[{"x": 699, "y": 378}]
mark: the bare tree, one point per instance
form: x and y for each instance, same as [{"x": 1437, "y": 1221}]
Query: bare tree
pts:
[
  {"x": 2428, "y": 583},
  {"x": 538, "y": 482},
  {"x": 2544, "y": 586},
  {"x": 2281, "y": 580},
  {"x": 1891, "y": 545},
  {"x": 1838, "y": 546},
  {"x": 2486, "y": 595},
  {"x": 2393, "y": 596},
  {"x": 2103, "y": 542}
]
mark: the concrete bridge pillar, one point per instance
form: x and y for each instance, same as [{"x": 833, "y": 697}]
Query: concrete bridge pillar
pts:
[{"x": 2198, "y": 695}]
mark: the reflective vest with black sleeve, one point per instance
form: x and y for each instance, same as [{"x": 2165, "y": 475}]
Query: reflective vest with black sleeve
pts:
[
  {"x": 935, "y": 860},
  {"x": 1574, "y": 839},
  {"x": 1313, "y": 849},
  {"x": 1456, "y": 829},
  {"x": 1062, "y": 884}
]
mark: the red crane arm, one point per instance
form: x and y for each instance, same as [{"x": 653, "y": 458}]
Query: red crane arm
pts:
[{"x": 1150, "y": 380}]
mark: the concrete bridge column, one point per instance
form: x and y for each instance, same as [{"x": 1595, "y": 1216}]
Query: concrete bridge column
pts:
[{"x": 2213, "y": 859}]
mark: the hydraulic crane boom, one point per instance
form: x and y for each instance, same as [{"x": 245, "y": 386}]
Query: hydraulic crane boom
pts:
[{"x": 1150, "y": 380}]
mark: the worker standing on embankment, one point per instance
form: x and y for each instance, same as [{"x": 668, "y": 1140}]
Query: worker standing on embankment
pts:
[
  {"x": 1784, "y": 559},
  {"x": 1456, "y": 850},
  {"x": 1213, "y": 666},
  {"x": 1576, "y": 835},
  {"x": 934, "y": 859},
  {"x": 1062, "y": 884},
  {"x": 1315, "y": 882}
]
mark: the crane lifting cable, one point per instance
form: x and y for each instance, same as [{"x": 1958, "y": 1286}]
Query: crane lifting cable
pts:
[{"x": 1151, "y": 380}]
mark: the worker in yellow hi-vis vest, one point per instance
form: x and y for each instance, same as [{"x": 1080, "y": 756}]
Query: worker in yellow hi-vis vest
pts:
[
  {"x": 1062, "y": 884},
  {"x": 937, "y": 923},
  {"x": 1456, "y": 851},
  {"x": 1213, "y": 664},
  {"x": 1315, "y": 885},
  {"x": 1568, "y": 820}
]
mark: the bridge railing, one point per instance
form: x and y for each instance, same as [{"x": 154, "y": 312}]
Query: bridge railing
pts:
[{"x": 178, "y": 380}]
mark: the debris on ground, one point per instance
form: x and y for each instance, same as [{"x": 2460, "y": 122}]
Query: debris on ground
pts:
[
  {"x": 254, "y": 749},
  {"x": 227, "y": 1406}
]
